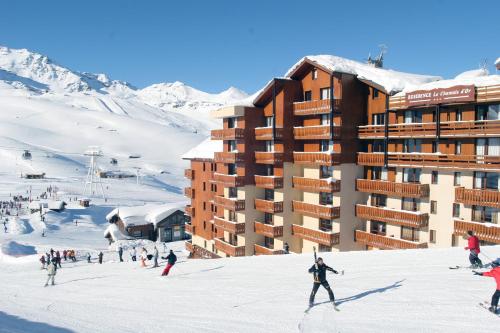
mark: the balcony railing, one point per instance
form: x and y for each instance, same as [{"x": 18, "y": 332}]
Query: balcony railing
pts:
[
  {"x": 478, "y": 128},
  {"x": 488, "y": 232},
  {"x": 189, "y": 228},
  {"x": 268, "y": 206},
  {"x": 268, "y": 230},
  {"x": 422, "y": 160},
  {"x": 270, "y": 182},
  {"x": 228, "y": 134},
  {"x": 232, "y": 250},
  {"x": 189, "y": 246},
  {"x": 230, "y": 226},
  {"x": 490, "y": 198},
  {"x": 190, "y": 210},
  {"x": 228, "y": 157},
  {"x": 410, "y": 190},
  {"x": 317, "y": 236},
  {"x": 316, "y": 158},
  {"x": 189, "y": 174},
  {"x": 317, "y": 211},
  {"x": 228, "y": 180},
  {"x": 315, "y": 132},
  {"x": 386, "y": 243},
  {"x": 314, "y": 107},
  {"x": 229, "y": 203},
  {"x": 268, "y": 157},
  {"x": 262, "y": 250},
  {"x": 391, "y": 216},
  {"x": 316, "y": 185},
  {"x": 266, "y": 133},
  {"x": 189, "y": 192}
]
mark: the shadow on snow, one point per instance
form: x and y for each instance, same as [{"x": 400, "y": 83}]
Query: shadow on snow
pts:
[
  {"x": 395, "y": 285},
  {"x": 14, "y": 324}
]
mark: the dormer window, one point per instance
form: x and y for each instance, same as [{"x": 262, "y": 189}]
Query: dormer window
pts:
[{"x": 314, "y": 74}]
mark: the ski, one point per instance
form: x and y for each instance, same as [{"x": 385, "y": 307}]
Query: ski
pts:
[
  {"x": 306, "y": 311},
  {"x": 486, "y": 305}
]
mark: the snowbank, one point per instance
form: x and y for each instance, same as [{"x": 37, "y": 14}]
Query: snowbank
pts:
[
  {"x": 15, "y": 249},
  {"x": 204, "y": 150},
  {"x": 18, "y": 226}
]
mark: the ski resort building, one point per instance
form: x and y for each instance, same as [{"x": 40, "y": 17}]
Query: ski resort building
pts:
[{"x": 312, "y": 162}]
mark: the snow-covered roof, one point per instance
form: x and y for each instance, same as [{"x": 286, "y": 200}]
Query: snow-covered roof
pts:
[
  {"x": 140, "y": 215},
  {"x": 161, "y": 212},
  {"x": 391, "y": 81},
  {"x": 114, "y": 232},
  {"x": 55, "y": 204},
  {"x": 476, "y": 77},
  {"x": 204, "y": 150}
]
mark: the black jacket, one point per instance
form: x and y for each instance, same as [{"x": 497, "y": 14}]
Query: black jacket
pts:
[
  {"x": 320, "y": 271},
  {"x": 171, "y": 258}
]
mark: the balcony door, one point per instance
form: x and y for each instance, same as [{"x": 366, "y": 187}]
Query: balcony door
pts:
[
  {"x": 485, "y": 214},
  {"x": 411, "y": 175},
  {"x": 269, "y": 146},
  {"x": 325, "y": 171},
  {"x": 324, "y": 93},
  {"x": 486, "y": 180},
  {"x": 413, "y": 116},
  {"x": 488, "y": 146},
  {"x": 412, "y": 146},
  {"x": 409, "y": 234},
  {"x": 231, "y": 122},
  {"x": 379, "y": 200},
  {"x": 488, "y": 112},
  {"x": 378, "y": 228},
  {"x": 410, "y": 204}
]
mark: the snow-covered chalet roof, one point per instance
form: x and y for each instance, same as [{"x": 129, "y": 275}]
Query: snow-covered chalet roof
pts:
[
  {"x": 159, "y": 213},
  {"x": 389, "y": 80},
  {"x": 140, "y": 215},
  {"x": 204, "y": 150}
]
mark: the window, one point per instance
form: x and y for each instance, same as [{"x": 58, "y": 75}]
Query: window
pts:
[
  {"x": 379, "y": 173},
  {"x": 324, "y": 93},
  {"x": 204, "y": 186},
  {"x": 410, "y": 234},
  {"x": 231, "y": 169},
  {"x": 412, "y": 145},
  {"x": 486, "y": 180},
  {"x": 232, "y": 216},
  {"x": 325, "y": 225},
  {"x": 378, "y": 119},
  {"x": 375, "y": 93},
  {"x": 269, "y": 170},
  {"x": 325, "y": 119},
  {"x": 432, "y": 236},
  {"x": 435, "y": 146},
  {"x": 314, "y": 74},
  {"x": 488, "y": 112},
  {"x": 269, "y": 194},
  {"x": 325, "y": 198},
  {"x": 413, "y": 116},
  {"x": 457, "y": 178},
  {"x": 459, "y": 115},
  {"x": 456, "y": 210},
  {"x": 204, "y": 225},
  {"x": 269, "y": 146},
  {"x": 434, "y": 177},
  {"x": 233, "y": 192},
  {"x": 231, "y": 122},
  {"x": 231, "y": 144},
  {"x": 212, "y": 167},
  {"x": 307, "y": 95},
  {"x": 458, "y": 148},
  {"x": 268, "y": 218},
  {"x": 411, "y": 175},
  {"x": 488, "y": 146},
  {"x": 484, "y": 214},
  {"x": 379, "y": 200},
  {"x": 326, "y": 145},
  {"x": 325, "y": 171},
  {"x": 136, "y": 233},
  {"x": 410, "y": 204},
  {"x": 204, "y": 205},
  {"x": 377, "y": 228},
  {"x": 204, "y": 167},
  {"x": 434, "y": 205},
  {"x": 269, "y": 121}
]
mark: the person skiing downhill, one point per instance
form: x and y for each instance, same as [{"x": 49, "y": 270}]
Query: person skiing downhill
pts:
[
  {"x": 171, "y": 259},
  {"x": 474, "y": 248},
  {"x": 319, "y": 272},
  {"x": 494, "y": 273},
  {"x": 51, "y": 272}
]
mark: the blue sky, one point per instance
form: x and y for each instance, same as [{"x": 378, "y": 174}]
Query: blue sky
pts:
[{"x": 212, "y": 45}]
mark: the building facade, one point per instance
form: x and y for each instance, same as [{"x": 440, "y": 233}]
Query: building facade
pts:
[{"x": 312, "y": 163}]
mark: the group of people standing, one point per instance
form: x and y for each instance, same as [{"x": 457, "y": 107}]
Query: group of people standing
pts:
[
  {"x": 56, "y": 257},
  {"x": 144, "y": 256}
]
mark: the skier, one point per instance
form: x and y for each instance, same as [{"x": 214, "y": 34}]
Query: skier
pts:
[
  {"x": 100, "y": 257},
  {"x": 155, "y": 257},
  {"x": 319, "y": 272},
  {"x": 474, "y": 248},
  {"x": 133, "y": 254},
  {"x": 52, "y": 253},
  {"x": 120, "y": 253},
  {"x": 42, "y": 261},
  {"x": 171, "y": 259},
  {"x": 58, "y": 258},
  {"x": 65, "y": 255},
  {"x": 494, "y": 273},
  {"x": 51, "y": 271},
  {"x": 144, "y": 257},
  {"x": 286, "y": 248},
  {"x": 88, "y": 257}
]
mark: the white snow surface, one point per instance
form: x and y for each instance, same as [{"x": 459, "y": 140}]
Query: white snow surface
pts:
[
  {"x": 390, "y": 80},
  {"x": 204, "y": 150}
]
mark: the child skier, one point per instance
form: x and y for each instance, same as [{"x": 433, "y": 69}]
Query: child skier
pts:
[
  {"x": 494, "y": 273},
  {"x": 319, "y": 271}
]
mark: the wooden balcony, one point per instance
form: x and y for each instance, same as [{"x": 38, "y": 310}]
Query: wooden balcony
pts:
[
  {"x": 268, "y": 206},
  {"x": 490, "y": 198},
  {"x": 189, "y": 210},
  {"x": 316, "y": 132},
  {"x": 270, "y": 182},
  {"x": 231, "y": 250},
  {"x": 475, "y": 162},
  {"x": 268, "y": 230},
  {"x": 268, "y": 157},
  {"x": 230, "y": 226},
  {"x": 317, "y": 211},
  {"x": 488, "y": 232},
  {"x": 262, "y": 250},
  {"x": 189, "y": 246},
  {"x": 266, "y": 133},
  {"x": 189, "y": 192},
  {"x": 386, "y": 243},
  {"x": 464, "y": 129},
  {"x": 409, "y": 190},
  {"x": 316, "y": 185},
  {"x": 228, "y": 180},
  {"x": 308, "y": 108},
  {"x": 189, "y": 174},
  {"x": 316, "y": 236},
  {"x": 229, "y": 203},
  {"x": 228, "y": 157},
  {"x": 189, "y": 228},
  {"x": 316, "y": 158},
  {"x": 228, "y": 134},
  {"x": 392, "y": 216}
]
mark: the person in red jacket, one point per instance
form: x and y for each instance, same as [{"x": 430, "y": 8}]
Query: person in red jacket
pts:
[
  {"x": 494, "y": 273},
  {"x": 474, "y": 249}
]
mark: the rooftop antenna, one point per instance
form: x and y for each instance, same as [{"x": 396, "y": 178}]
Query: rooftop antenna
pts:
[{"x": 93, "y": 182}]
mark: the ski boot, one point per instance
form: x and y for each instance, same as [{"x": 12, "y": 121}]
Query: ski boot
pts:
[{"x": 493, "y": 309}]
